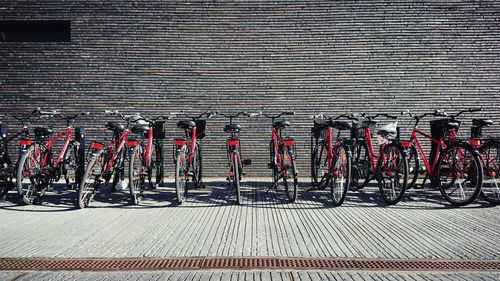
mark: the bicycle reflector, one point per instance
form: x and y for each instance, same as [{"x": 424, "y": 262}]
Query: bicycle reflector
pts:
[
  {"x": 232, "y": 142},
  {"x": 96, "y": 145},
  {"x": 289, "y": 142},
  {"x": 180, "y": 142},
  {"x": 406, "y": 144},
  {"x": 25, "y": 142},
  {"x": 475, "y": 142},
  {"x": 132, "y": 143}
]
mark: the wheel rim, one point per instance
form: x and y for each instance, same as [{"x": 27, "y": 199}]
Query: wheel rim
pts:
[
  {"x": 289, "y": 175},
  {"x": 181, "y": 176},
  {"x": 138, "y": 174},
  {"x": 30, "y": 176},
  {"x": 390, "y": 177},
  {"x": 458, "y": 175},
  {"x": 91, "y": 182},
  {"x": 321, "y": 166},
  {"x": 339, "y": 180}
]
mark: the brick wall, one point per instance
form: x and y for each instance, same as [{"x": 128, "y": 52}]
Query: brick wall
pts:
[{"x": 308, "y": 56}]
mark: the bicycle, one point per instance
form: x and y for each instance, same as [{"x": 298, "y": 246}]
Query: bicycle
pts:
[
  {"x": 282, "y": 156},
  {"x": 106, "y": 161},
  {"x": 489, "y": 148},
  {"x": 235, "y": 161},
  {"x": 7, "y": 167},
  {"x": 188, "y": 156},
  {"x": 146, "y": 156},
  {"x": 38, "y": 170},
  {"x": 331, "y": 157},
  {"x": 390, "y": 169},
  {"x": 456, "y": 167}
]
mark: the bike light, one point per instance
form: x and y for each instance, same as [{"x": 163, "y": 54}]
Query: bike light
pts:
[
  {"x": 25, "y": 142},
  {"x": 406, "y": 144},
  {"x": 132, "y": 143},
  {"x": 180, "y": 142},
  {"x": 289, "y": 142},
  {"x": 232, "y": 142},
  {"x": 96, "y": 145}
]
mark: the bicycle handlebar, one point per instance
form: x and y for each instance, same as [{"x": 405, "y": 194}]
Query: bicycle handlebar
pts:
[
  {"x": 244, "y": 113},
  {"x": 208, "y": 114},
  {"x": 378, "y": 115}
]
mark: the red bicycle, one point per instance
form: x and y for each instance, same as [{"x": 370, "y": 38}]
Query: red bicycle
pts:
[
  {"x": 235, "y": 162},
  {"x": 188, "y": 153},
  {"x": 456, "y": 166},
  {"x": 390, "y": 169},
  {"x": 331, "y": 157},
  {"x": 282, "y": 155},
  {"x": 106, "y": 161},
  {"x": 489, "y": 148},
  {"x": 38, "y": 170},
  {"x": 146, "y": 155}
]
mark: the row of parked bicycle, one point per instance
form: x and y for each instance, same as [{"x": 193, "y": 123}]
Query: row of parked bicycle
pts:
[{"x": 461, "y": 169}]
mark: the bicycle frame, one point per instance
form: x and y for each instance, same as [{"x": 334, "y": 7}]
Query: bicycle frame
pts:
[
  {"x": 371, "y": 151},
  {"x": 48, "y": 145},
  {"x": 440, "y": 142},
  {"x": 330, "y": 148},
  {"x": 179, "y": 143},
  {"x": 118, "y": 144},
  {"x": 233, "y": 144}
]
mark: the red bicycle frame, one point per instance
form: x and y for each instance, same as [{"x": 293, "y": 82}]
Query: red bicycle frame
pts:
[
  {"x": 277, "y": 140},
  {"x": 440, "y": 142},
  {"x": 49, "y": 143},
  {"x": 179, "y": 143},
  {"x": 111, "y": 147},
  {"x": 233, "y": 145},
  {"x": 371, "y": 152},
  {"x": 330, "y": 148}
]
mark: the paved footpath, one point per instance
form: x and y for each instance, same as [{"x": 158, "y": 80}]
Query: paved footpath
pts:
[{"x": 209, "y": 224}]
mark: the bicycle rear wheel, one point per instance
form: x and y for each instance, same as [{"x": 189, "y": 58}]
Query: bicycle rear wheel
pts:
[
  {"x": 490, "y": 152},
  {"x": 320, "y": 169},
  {"x": 459, "y": 174},
  {"x": 28, "y": 177},
  {"x": 181, "y": 174},
  {"x": 340, "y": 180},
  {"x": 197, "y": 166},
  {"x": 290, "y": 179},
  {"x": 360, "y": 165},
  {"x": 137, "y": 174},
  {"x": 69, "y": 165},
  {"x": 392, "y": 173},
  {"x": 91, "y": 181},
  {"x": 413, "y": 166}
]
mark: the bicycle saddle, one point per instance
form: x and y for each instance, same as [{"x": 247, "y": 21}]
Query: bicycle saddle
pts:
[
  {"x": 140, "y": 128},
  {"x": 281, "y": 124},
  {"x": 452, "y": 126},
  {"x": 341, "y": 125},
  {"x": 115, "y": 127},
  {"x": 232, "y": 128},
  {"x": 484, "y": 122},
  {"x": 42, "y": 132},
  {"x": 186, "y": 124}
]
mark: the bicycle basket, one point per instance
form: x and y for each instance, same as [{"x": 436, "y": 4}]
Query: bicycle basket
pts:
[
  {"x": 358, "y": 130},
  {"x": 200, "y": 128},
  {"x": 159, "y": 130},
  {"x": 318, "y": 129},
  {"x": 440, "y": 127}
]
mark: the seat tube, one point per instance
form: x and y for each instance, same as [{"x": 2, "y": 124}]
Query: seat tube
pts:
[
  {"x": 193, "y": 146},
  {"x": 329, "y": 149},
  {"x": 148, "y": 146},
  {"x": 368, "y": 136},
  {"x": 277, "y": 153}
]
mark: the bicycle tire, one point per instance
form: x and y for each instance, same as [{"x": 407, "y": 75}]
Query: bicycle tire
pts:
[
  {"x": 272, "y": 162},
  {"x": 154, "y": 166},
  {"x": 181, "y": 174},
  {"x": 340, "y": 180},
  {"x": 413, "y": 166},
  {"x": 158, "y": 162},
  {"x": 320, "y": 169},
  {"x": 447, "y": 165},
  {"x": 290, "y": 178},
  {"x": 29, "y": 192},
  {"x": 236, "y": 178},
  {"x": 197, "y": 166},
  {"x": 360, "y": 168},
  {"x": 392, "y": 173},
  {"x": 137, "y": 174},
  {"x": 490, "y": 151},
  {"x": 70, "y": 165},
  {"x": 119, "y": 169},
  {"x": 90, "y": 181}
]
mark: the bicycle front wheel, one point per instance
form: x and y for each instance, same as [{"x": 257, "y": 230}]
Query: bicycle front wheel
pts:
[
  {"x": 181, "y": 174},
  {"x": 137, "y": 174},
  {"x": 392, "y": 173},
  {"x": 236, "y": 176},
  {"x": 413, "y": 166},
  {"x": 340, "y": 180},
  {"x": 28, "y": 178},
  {"x": 91, "y": 181},
  {"x": 360, "y": 165},
  {"x": 197, "y": 166},
  {"x": 69, "y": 165},
  {"x": 490, "y": 152},
  {"x": 459, "y": 174},
  {"x": 290, "y": 179},
  {"x": 320, "y": 168}
]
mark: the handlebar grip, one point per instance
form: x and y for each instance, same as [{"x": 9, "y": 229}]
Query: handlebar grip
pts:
[
  {"x": 254, "y": 114},
  {"x": 289, "y": 113},
  {"x": 475, "y": 109}
]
